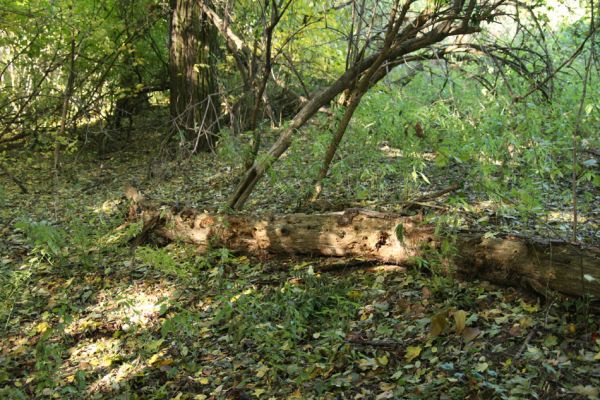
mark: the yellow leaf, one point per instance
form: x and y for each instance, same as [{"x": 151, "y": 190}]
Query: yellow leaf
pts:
[
  {"x": 481, "y": 367},
  {"x": 460, "y": 318},
  {"x": 203, "y": 381},
  {"x": 412, "y": 352},
  {"x": 597, "y": 356},
  {"x": 386, "y": 386},
  {"x": 438, "y": 324},
  {"x": 383, "y": 360},
  {"x": 530, "y": 308},
  {"x": 526, "y": 322},
  {"x": 154, "y": 359},
  {"x": 42, "y": 327},
  {"x": 200, "y": 397},
  {"x": 165, "y": 362},
  {"x": 70, "y": 378},
  {"x": 262, "y": 371},
  {"x": 258, "y": 392}
]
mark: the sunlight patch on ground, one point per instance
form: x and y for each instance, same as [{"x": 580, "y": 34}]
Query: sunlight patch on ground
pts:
[
  {"x": 392, "y": 152},
  {"x": 136, "y": 306},
  {"x": 111, "y": 380},
  {"x": 564, "y": 216},
  {"x": 109, "y": 207},
  {"x": 99, "y": 353}
]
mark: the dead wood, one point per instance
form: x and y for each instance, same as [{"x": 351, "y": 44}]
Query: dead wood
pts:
[{"x": 542, "y": 265}]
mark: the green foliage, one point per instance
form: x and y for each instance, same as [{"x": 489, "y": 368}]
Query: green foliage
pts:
[
  {"x": 115, "y": 55},
  {"x": 48, "y": 239},
  {"x": 84, "y": 315}
]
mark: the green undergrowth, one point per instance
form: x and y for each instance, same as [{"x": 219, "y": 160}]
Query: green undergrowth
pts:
[{"x": 85, "y": 315}]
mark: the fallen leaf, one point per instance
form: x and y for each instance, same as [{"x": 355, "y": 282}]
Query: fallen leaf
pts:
[
  {"x": 460, "y": 318},
  {"x": 262, "y": 371},
  {"x": 438, "y": 324},
  {"x": 165, "y": 362},
  {"x": 481, "y": 367},
  {"x": 590, "y": 391},
  {"x": 515, "y": 330},
  {"x": 550, "y": 341},
  {"x": 530, "y": 308},
  {"x": 385, "y": 395},
  {"x": 470, "y": 333},
  {"x": 154, "y": 358},
  {"x": 367, "y": 363},
  {"x": 412, "y": 352},
  {"x": 426, "y": 293},
  {"x": 383, "y": 360},
  {"x": 42, "y": 327}
]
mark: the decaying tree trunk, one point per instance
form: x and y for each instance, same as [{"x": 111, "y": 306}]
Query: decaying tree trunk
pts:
[{"x": 541, "y": 265}]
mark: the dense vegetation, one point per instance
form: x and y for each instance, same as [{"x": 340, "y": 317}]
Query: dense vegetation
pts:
[{"x": 479, "y": 116}]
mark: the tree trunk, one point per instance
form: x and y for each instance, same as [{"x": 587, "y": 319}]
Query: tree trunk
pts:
[
  {"x": 534, "y": 263},
  {"x": 194, "y": 102}
]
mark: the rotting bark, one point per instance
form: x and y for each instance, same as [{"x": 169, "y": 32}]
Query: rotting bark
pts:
[{"x": 541, "y": 265}]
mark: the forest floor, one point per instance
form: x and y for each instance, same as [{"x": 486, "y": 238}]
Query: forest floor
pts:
[{"x": 85, "y": 315}]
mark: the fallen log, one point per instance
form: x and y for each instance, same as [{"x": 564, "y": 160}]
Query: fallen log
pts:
[{"x": 542, "y": 265}]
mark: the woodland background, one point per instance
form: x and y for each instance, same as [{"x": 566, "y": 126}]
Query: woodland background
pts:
[{"x": 476, "y": 117}]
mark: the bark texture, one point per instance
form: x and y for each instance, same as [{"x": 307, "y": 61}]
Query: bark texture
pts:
[
  {"x": 194, "y": 102},
  {"x": 517, "y": 261}
]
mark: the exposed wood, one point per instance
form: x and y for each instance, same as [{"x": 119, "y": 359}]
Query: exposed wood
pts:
[
  {"x": 541, "y": 265},
  {"x": 536, "y": 263}
]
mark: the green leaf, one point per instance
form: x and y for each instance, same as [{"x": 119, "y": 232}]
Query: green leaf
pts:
[{"x": 400, "y": 233}]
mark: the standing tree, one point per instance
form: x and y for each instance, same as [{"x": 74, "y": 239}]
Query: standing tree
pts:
[
  {"x": 194, "y": 98},
  {"x": 409, "y": 35}
]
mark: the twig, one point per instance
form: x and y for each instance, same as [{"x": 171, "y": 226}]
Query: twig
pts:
[
  {"x": 524, "y": 345},
  {"x": 419, "y": 200},
  {"x": 567, "y": 62},
  {"x": 439, "y": 193}
]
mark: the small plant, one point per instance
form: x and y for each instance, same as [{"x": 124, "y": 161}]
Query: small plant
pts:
[{"x": 47, "y": 239}]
